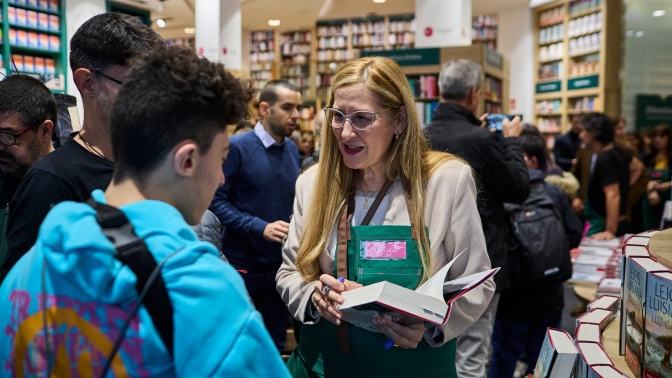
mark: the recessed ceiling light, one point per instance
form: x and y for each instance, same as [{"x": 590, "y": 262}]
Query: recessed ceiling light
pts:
[
  {"x": 639, "y": 34},
  {"x": 161, "y": 23},
  {"x": 274, "y": 22},
  {"x": 630, "y": 33},
  {"x": 190, "y": 30},
  {"x": 379, "y": 1},
  {"x": 658, "y": 13}
]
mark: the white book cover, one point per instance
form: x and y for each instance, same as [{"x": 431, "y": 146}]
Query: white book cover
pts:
[{"x": 429, "y": 304}]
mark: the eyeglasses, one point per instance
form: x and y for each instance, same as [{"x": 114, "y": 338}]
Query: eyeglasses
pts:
[
  {"x": 9, "y": 139},
  {"x": 360, "y": 120},
  {"x": 108, "y": 77}
]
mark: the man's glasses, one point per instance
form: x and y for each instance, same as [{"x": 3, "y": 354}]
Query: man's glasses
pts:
[
  {"x": 9, "y": 139},
  {"x": 108, "y": 77},
  {"x": 360, "y": 120}
]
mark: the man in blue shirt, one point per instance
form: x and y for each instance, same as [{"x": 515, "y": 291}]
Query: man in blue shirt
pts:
[
  {"x": 255, "y": 203},
  {"x": 65, "y": 303}
]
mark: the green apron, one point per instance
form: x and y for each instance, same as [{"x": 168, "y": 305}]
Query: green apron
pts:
[{"x": 318, "y": 355}]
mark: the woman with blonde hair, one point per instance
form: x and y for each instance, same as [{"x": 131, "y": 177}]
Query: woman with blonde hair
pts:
[{"x": 377, "y": 181}]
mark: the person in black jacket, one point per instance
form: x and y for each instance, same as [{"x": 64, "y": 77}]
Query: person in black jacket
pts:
[
  {"x": 525, "y": 312},
  {"x": 567, "y": 145},
  {"x": 501, "y": 171}
]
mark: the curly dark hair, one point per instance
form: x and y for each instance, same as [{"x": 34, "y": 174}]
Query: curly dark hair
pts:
[
  {"x": 111, "y": 39},
  {"x": 600, "y": 125},
  {"x": 169, "y": 96}
]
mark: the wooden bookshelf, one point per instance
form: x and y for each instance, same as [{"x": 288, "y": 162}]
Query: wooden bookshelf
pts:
[
  {"x": 295, "y": 66},
  {"x": 368, "y": 34},
  {"x": 484, "y": 29},
  {"x": 575, "y": 40},
  {"x": 400, "y": 32},
  {"x": 263, "y": 65},
  {"x": 34, "y": 41}
]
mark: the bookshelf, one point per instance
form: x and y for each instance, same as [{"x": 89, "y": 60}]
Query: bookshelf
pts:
[
  {"x": 401, "y": 32},
  {"x": 262, "y": 57},
  {"x": 295, "y": 49},
  {"x": 368, "y": 34},
  {"x": 34, "y": 40},
  {"x": 334, "y": 49},
  {"x": 575, "y": 40},
  {"x": 484, "y": 29}
]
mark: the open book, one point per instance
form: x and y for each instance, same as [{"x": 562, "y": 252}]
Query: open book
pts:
[{"x": 429, "y": 304}]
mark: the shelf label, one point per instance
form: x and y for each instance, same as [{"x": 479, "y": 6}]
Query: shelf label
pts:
[
  {"x": 552, "y": 86},
  {"x": 583, "y": 82},
  {"x": 494, "y": 59},
  {"x": 414, "y": 57},
  {"x": 652, "y": 110}
]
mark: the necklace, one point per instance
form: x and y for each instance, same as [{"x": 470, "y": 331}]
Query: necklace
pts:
[
  {"x": 88, "y": 146},
  {"x": 366, "y": 202}
]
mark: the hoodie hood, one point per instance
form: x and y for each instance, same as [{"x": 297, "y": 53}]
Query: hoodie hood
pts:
[{"x": 74, "y": 247}]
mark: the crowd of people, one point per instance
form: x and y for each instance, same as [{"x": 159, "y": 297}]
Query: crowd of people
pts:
[{"x": 153, "y": 244}]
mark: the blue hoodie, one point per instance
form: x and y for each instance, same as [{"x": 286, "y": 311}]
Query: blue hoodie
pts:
[{"x": 89, "y": 293}]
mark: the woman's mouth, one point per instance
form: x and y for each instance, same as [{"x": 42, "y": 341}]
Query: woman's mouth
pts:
[{"x": 351, "y": 150}]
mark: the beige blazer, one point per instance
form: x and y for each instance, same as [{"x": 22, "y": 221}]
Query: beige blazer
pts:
[{"x": 454, "y": 224}]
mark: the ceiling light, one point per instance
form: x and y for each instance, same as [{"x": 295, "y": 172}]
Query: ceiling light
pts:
[
  {"x": 274, "y": 22},
  {"x": 658, "y": 13},
  {"x": 189, "y": 30},
  {"x": 161, "y": 23},
  {"x": 639, "y": 34},
  {"x": 379, "y": 1},
  {"x": 630, "y": 33}
]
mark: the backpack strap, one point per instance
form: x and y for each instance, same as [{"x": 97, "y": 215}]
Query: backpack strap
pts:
[{"x": 132, "y": 252}]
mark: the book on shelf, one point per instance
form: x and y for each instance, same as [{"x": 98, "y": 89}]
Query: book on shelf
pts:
[
  {"x": 428, "y": 305},
  {"x": 604, "y": 371},
  {"x": 587, "y": 332},
  {"x": 591, "y": 355},
  {"x": 606, "y": 302},
  {"x": 657, "y": 346},
  {"x": 558, "y": 355},
  {"x": 597, "y": 316},
  {"x": 632, "y": 327}
]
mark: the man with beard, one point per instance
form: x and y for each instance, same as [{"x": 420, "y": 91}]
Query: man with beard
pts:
[
  {"x": 255, "y": 202},
  {"x": 28, "y": 115},
  {"x": 100, "y": 53}
]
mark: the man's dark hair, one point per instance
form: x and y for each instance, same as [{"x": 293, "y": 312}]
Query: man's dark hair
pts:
[
  {"x": 600, "y": 125},
  {"x": 171, "y": 95},
  {"x": 28, "y": 97},
  {"x": 110, "y": 39},
  {"x": 243, "y": 124},
  {"x": 533, "y": 146},
  {"x": 269, "y": 94}
]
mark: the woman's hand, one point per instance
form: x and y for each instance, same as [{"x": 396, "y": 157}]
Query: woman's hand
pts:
[
  {"x": 654, "y": 198},
  {"x": 604, "y": 235},
  {"x": 324, "y": 301},
  {"x": 403, "y": 336}
]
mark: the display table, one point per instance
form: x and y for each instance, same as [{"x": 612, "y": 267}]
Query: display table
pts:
[{"x": 610, "y": 345}]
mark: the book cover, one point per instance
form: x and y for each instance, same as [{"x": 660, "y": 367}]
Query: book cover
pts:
[
  {"x": 429, "y": 304},
  {"x": 43, "y": 21},
  {"x": 657, "y": 344},
  {"x": 637, "y": 268},
  {"x": 558, "y": 355},
  {"x": 54, "y": 43},
  {"x": 591, "y": 355},
  {"x": 628, "y": 251}
]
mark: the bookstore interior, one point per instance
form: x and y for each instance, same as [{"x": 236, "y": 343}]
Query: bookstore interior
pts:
[{"x": 545, "y": 61}]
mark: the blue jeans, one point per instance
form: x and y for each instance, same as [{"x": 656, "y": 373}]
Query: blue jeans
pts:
[
  {"x": 515, "y": 339},
  {"x": 260, "y": 284}
]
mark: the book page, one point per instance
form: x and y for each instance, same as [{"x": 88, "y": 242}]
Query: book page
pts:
[
  {"x": 433, "y": 287},
  {"x": 455, "y": 288}
]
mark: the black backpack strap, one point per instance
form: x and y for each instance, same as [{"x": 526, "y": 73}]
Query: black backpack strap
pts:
[{"x": 132, "y": 252}]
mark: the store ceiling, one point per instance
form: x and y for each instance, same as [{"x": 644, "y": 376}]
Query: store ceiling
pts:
[{"x": 295, "y": 14}]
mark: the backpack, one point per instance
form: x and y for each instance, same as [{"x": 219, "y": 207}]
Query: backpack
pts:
[{"x": 538, "y": 245}]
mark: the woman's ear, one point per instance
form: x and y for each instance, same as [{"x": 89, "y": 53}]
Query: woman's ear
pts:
[{"x": 402, "y": 120}]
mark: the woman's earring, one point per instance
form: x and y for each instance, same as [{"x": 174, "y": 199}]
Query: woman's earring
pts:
[{"x": 396, "y": 136}]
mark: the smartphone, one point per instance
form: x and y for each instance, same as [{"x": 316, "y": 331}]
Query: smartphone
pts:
[{"x": 494, "y": 121}]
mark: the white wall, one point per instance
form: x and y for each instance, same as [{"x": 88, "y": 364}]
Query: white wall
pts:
[
  {"x": 515, "y": 41},
  {"x": 77, "y": 12}
]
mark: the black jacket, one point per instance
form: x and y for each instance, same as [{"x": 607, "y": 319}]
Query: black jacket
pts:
[
  {"x": 500, "y": 174},
  {"x": 566, "y": 146}
]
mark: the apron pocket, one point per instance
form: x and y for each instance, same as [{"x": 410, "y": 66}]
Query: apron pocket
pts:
[{"x": 406, "y": 277}]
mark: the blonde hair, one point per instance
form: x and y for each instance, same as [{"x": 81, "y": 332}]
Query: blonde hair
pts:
[{"x": 409, "y": 157}]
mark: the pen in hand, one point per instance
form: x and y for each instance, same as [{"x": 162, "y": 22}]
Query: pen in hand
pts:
[{"x": 326, "y": 288}]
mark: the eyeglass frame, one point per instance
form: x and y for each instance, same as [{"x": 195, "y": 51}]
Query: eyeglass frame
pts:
[
  {"x": 95, "y": 72},
  {"x": 347, "y": 117},
  {"x": 15, "y": 135}
]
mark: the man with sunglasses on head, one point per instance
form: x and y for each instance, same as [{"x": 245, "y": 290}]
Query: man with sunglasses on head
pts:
[
  {"x": 28, "y": 115},
  {"x": 100, "y": 53},
  {"x": 255, "y": 202}
]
